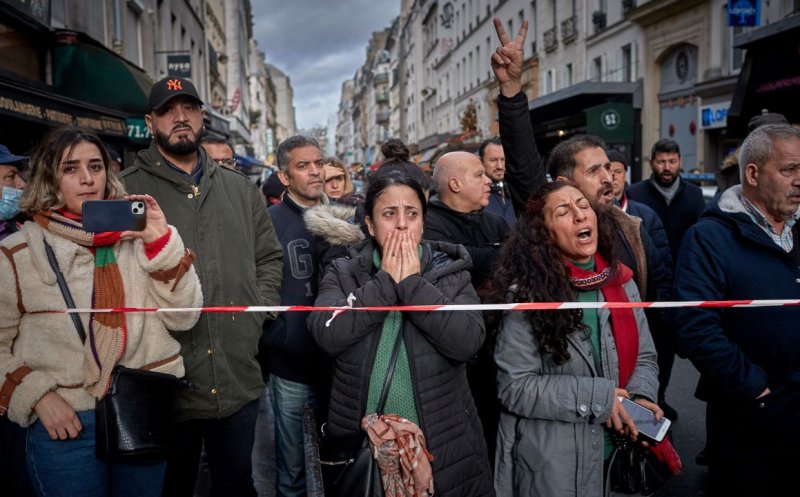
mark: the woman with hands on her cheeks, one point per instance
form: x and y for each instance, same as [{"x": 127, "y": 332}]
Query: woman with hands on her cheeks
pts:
[
  {"x": 393, "y": 267},
  {"x": 53, "y": 379},
  {"x": 560, "y": 372}
]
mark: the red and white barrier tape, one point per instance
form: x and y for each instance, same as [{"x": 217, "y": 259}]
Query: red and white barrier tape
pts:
[{"x": 530, "y": 306}]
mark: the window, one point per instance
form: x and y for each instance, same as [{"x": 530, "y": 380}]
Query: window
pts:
[
  {"x": 553, "y": 8},
  {"x": 532, "y": 28},
  {"x": 627, "y": 63},
  {"x": 132, "y": 46},
  {"x": 550, "y": 81},
  {"x": 597, "y": 69},
  {"x": 568, "y": 75}
]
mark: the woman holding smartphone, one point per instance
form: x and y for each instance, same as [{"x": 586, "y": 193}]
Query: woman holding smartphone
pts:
[
  {"x": 52, "y": 378},
  {"x": 560, "y": 373}
]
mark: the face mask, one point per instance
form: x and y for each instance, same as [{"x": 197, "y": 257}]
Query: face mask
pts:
[{"x": 9, "y": 203}]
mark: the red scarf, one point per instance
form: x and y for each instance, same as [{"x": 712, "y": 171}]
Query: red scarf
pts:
[{"x": 623, "y": 321}]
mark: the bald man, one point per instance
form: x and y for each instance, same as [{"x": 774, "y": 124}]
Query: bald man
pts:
[{"x": 456, "y": 214}]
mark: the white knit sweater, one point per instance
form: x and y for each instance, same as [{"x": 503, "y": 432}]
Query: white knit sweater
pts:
[{"x": 49, "y": 343}]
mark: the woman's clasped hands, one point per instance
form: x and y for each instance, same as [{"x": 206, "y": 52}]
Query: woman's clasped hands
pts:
[{"x": 400, "y": 254}]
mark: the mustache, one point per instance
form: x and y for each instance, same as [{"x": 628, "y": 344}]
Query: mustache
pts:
[{"x": 180, "y": 126}]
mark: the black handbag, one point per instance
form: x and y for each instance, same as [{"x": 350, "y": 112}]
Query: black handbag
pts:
[
  {"x": 348, "y": 468},
  {"x": 634, "y": 469},
  {"x": 133, "y": 419}
]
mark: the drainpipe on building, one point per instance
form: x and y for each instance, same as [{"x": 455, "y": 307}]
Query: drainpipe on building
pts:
[{"x": 117, "y": 42}]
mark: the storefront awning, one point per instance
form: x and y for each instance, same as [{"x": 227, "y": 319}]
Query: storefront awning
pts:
[
  {"x": 770, "y": 76},
  {"x": 577, "y": 98},
  {"x": 38, "y": 103},
  {"x": 85, "y": 70}
]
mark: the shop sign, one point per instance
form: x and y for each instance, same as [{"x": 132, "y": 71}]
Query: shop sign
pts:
[
  {"x": 38, "y": 110},
  {"x": 179, "y": 66},
  {"x": 137, "y": 129},
  {"x": 744, "y": 13},
  {"x": 714, "y": 115}
]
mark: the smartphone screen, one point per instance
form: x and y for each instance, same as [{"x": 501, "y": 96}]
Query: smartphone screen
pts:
[
  {"x": 114, "y": 215},
  {"x": 645, "y": 420}
]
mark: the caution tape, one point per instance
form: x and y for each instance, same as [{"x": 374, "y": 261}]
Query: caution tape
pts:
[{"x": 519, "y": 306}]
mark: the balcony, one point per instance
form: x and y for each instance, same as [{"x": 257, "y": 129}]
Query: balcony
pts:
[
  {"x": 381, "y": 78},
  {"x": 599, "y": 21},
  {"x": 382, "y": 97},
  {"x": 550, "y": 40},
  {"x": 569, "y": 29},
  {"x": 382, "y": 116},
  {"x": 627, "y": 6}
]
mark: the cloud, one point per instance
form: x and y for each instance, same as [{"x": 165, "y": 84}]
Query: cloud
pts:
[{"x": 318, "y": 44}]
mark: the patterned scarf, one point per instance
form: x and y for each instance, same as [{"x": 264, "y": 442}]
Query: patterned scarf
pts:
[
  {"x": 398, "y": 447},
  {"x": 623, "y": 322},
  {"x": 107, "y": 334}
]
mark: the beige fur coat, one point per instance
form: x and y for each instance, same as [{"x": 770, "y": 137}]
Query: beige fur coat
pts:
[{"x": 49, "y": 343}]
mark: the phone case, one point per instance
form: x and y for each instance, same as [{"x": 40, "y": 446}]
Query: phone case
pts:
[{"x": 114, "y": 215}]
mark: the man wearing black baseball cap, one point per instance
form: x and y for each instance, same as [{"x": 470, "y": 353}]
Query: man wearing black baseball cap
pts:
[{"x": 220, "y": 214}]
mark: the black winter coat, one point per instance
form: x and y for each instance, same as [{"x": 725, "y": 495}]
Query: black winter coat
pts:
[
  {"x": 438, "y": 345},
  {"x": 481, "y": 233}
]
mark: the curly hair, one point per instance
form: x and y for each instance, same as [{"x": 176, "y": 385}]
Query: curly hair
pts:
[{"x": 531, "y": 268}]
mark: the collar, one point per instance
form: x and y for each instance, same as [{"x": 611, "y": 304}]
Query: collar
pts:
[{"x": 761, "y": 219}]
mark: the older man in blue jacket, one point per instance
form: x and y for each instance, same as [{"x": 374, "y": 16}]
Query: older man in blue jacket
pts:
[{"x": 748, "y": 247}]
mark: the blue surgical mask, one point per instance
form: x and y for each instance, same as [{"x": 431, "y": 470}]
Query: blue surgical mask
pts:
[{"x": 9, "y": 203}]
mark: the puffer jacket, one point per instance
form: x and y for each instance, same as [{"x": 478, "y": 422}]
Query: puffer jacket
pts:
[
  {"x": 550, "y": 441},
  {"x": 438, "y": 344},
  {"x": 239, "y": 262},
  {"x": 49, "y": 343}
]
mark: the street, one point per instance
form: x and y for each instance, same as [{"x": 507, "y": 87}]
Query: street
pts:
[{"x": 688, "y": 433}]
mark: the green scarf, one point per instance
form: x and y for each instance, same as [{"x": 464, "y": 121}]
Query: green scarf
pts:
[{"x": 401, "y": 391}]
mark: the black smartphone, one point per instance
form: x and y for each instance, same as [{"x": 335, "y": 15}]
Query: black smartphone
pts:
[
  {"x": 649, "y": 427},
  {"x": 114, "y": 215}
]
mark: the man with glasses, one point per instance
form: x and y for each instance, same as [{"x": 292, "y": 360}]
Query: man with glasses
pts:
[
  {"x": 220, "y": 215},
  {"x": 219, "y": 150}
]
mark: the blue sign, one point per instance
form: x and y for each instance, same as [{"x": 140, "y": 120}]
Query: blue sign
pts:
[
  {"x": 714, "y": 116},
  {"x": 744, "y": 13}
]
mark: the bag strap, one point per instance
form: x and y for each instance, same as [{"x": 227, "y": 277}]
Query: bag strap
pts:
[
  {"x": 390, "y": 372},
  {"x": 62, "y": 284}
]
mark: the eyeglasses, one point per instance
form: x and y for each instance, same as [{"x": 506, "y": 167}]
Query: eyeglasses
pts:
[{"x": 225, "y": 162}]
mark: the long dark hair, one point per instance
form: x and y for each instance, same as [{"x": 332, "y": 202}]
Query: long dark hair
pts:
[{"x": 531, "y": 268}]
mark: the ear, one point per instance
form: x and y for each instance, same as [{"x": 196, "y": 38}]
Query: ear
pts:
[
  {"x": 454, "y": 184},
  {"x": 149, "y": 122},
  {"x": 284, "y": 178},
  {"x": 751, "y": 174},
  {"x": 562, "y": 178},
  {"x": 370, "y": 227}
]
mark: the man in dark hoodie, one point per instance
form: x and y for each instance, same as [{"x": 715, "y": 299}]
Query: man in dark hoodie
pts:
[{"x": 287, "y": 351}]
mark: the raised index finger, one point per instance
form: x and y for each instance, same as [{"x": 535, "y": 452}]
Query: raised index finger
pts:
[
  {"x": 522, "y": 34},
  {"x": 501, "y": 31}
]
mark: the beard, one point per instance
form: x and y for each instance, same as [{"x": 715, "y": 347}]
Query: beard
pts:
[
  {"x": 181, "y": 148},
  {"x": 664, "y": 182}
]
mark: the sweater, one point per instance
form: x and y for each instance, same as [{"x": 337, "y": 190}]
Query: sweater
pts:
[{"x": 49, "y": 343}]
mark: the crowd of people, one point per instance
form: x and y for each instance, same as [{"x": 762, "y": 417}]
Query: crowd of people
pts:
[{"x": 495, "y": 403}]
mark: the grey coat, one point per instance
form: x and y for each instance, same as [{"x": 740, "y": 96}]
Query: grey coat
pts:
[{"x": 550, "y": 439}]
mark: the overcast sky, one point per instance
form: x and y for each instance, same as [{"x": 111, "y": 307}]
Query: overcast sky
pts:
[{"x": 318, "y": 44}]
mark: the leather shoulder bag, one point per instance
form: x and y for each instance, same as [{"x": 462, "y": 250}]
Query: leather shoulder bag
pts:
[{"x": 133, "y": 419}]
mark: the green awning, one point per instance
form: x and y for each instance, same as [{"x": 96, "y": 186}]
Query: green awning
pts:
[{"x": 92, "y": 73}]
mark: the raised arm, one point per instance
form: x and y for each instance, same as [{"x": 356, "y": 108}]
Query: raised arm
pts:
[{"x": 525, "y": 169}]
